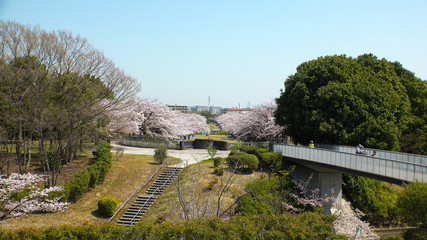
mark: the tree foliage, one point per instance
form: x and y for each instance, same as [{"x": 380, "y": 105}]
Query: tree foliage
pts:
[
  {"x": 344, "y": 100},
  {"x": 376, "y": 199},
  {"x": 51, "y": 87},
  {"x": 413, "y": 203}
]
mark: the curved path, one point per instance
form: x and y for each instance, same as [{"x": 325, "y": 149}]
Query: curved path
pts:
[{"x": 188, "y": 156}]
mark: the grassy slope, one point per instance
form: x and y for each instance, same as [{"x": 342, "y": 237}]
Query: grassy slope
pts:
[
  {"x": 194, "y": 181},
  {"x": 126, "y": 174}
]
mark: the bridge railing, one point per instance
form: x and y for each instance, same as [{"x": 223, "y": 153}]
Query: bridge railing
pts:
[
  {"x": 398, "y": 156},
  {"x": 390, "y": 168}
]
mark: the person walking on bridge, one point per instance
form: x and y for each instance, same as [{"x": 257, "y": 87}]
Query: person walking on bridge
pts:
[{"x": 359, "y": 149}]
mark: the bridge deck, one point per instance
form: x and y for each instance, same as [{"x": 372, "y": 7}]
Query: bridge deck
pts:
[{"x": 399, "y": 166}]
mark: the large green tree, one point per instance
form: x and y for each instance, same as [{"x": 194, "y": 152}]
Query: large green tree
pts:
[{"x": 345, "y": 100}]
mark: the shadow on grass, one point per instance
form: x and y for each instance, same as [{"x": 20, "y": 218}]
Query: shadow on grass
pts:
[
  {"x": 96, "y": 214},
  {"x": 155, "y": 163}
]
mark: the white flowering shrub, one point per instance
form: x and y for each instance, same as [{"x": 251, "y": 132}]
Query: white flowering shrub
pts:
[
  {"x": 305, "y": 198},
  {"x": 21, "y": 194}
]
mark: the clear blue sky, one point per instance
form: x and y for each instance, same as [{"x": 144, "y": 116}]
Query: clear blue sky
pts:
[{"x": 234, "y": 51}]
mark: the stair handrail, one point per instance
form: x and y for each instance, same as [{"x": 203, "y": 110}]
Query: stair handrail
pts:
[
  {"x": 137, "y": 190},
  {"x": 152, "y": 195}
]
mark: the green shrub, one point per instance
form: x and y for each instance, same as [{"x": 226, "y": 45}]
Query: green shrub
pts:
[
  {"x": 250, "y": 149},
  {"x": 395, "y": 237},
  {"x": 259, "y": 151},
  {"x": 103, "y": 153},
  {"x": 219, "y": 171},
  {"x": 203, "y": 143},
  {"x": 234, "y": 160},
  {"x": 87, "y": 178},
  {"x": 270, "y": 160},
  {"x": 375, "y": 198},
  {"x": 107, "y": 206},
  {"x": 265, "y": 196},
  {"x": 78, "y": 186},
  {"x": 412, "y": 203},
  {"x": 218, "y": 161},
  {"x": 18, "y": 196},
  {"x": 103, "y": 168},
  {"x": 285, "y": 226},
  {"x": 221, "y": 145},
  {"x": 415, "y": 234},
  {"x": 160, "y": 154},
  {"x": 94, "y": 172},
  {"x": 244, "y": 162},
  {"x": 249, "y": 163},
  {"x": 235, "y": 151}
]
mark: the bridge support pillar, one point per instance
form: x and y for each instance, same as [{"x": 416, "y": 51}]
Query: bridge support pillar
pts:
[{"x": 330, "y": 185}]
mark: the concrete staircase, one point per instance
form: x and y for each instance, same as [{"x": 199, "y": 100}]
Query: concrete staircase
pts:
[{"x": 143, "y": 202}]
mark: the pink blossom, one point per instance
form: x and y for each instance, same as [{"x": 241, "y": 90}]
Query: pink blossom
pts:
[
  {"x": 258, "y": 122},
  {"x": 154, "y": 119},
  {"x": 37, "y": 200}
]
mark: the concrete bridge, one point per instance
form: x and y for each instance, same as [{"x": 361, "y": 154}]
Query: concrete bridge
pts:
[{"x": 329, "y": 162}]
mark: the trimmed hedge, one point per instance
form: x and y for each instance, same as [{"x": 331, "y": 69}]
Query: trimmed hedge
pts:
[
  {"x": 270, "y": 160},
  {"x": 287, "y": 226},
  {"x": 250, "y": 149},
  {"x": 203, "y": 143},
  {"x": 221, "y": 145},
  {"x": 236, "y": 152},
  {"x": 245, "y": 162},
  {"x": 86, "y": 179},
  {"x": 260, "y": 151},
  {"x": 78, "y": 186},
  {"x": 107, "y": 206}
]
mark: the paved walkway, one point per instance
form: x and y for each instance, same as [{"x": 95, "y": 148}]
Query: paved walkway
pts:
[{"x": 188, "y": 156}]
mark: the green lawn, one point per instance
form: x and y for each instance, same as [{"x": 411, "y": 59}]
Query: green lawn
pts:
[{"x": 215, "y": 137}]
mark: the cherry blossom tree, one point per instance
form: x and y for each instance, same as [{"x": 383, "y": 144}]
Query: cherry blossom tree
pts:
[
  {"x": 20, "y": 194},
  {"x": 258, "y": 122},
  {"x": 348, "y": 222},
  {"x": 149, "y": 118},
  {"x": 305, "y": 198}
]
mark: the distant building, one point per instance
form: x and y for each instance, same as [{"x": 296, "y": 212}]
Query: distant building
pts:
[
  {"x": 226, "y": 110},
  {"x": 181, "y": 108},
  {"x": 215, "y": 110},
  {"x": 200, "y": 109}
]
